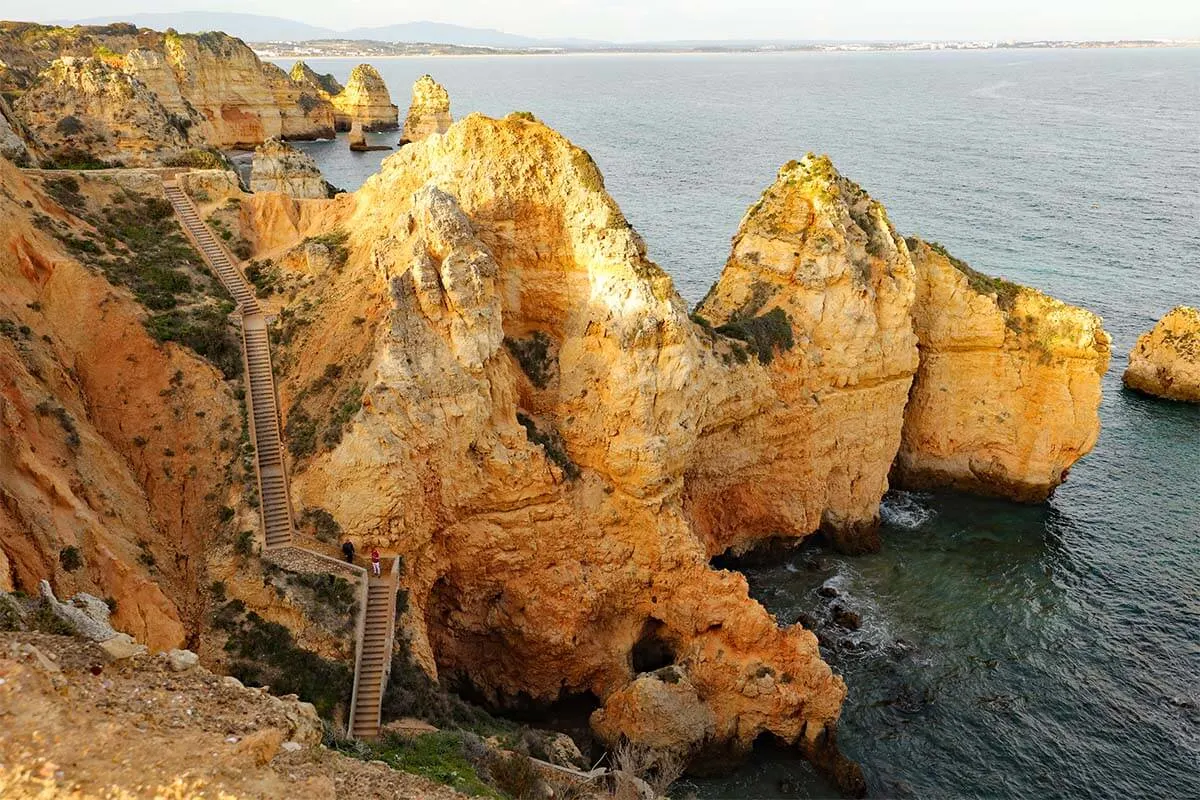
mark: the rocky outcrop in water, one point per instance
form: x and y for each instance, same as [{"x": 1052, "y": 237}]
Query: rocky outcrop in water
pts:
[
  {"x": 1165, "y": 362},
  {"x": 90, "y": 108},
  {"x": 820, "y": 288},
  {"x": 279, "y": 167},
  {"x": 324, "y": 85},
  {"x": 429, "y": 112},
  {"x": 365, "y": 99},
  {"x": 1008, "y": 393},
  {"x": 304, "y": 114}
]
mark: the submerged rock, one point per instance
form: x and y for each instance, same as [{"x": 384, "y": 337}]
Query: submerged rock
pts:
[
  {"x": 1008, "y": 393},
  {"x": 429, "y": 112},
  {"x": 1165, "y": 362},
  {"x": 279, "y": 167}
]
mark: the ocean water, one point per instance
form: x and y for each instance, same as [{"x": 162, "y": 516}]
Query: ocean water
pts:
[{"x": 1005, "y": 650}]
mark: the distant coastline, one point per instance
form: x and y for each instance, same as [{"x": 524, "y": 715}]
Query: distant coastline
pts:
[{"x": 346, "y": 48}]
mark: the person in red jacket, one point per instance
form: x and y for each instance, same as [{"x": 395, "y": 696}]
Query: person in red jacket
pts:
[{"x": 375, "y": 560}]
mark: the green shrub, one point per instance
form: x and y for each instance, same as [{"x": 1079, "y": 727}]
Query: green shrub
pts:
[
  {"x": 46, "y": 621},
  {"x": 243, "y": 545},
  {"x": 324, "y": 526},
  {"x": 336, "y": 241},
  {"x": 70, "y": 558},
  {"x": 265, "y": 654},
  {"x": 204, "y": 329},
  {"x": 551, "y": 443},
  {"x": 516, "y": 776},
  {"x": 301, "y": 433},
  {"x": 533, "y": 354},
  {"x": 440, "y": 756},
  {"x": 764, "y": 334}
]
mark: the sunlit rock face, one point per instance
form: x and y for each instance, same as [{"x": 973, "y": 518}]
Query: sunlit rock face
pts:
[
  {"x": 1165, "y": 362},
  {"x": 90, "y": 107},
  {"x": 365, "y": 99},
  {"x": 1008, "y": 394},
  {"x": 429, "y": 112},
  {"x": 279, "y": 167}
]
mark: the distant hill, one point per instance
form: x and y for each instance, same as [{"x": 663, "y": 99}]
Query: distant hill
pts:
[
  {"x": 248, "y": 27},
  {"x": 257, "y": 28}
]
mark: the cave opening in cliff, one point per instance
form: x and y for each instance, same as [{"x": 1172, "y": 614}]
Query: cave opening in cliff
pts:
[{"x": 651, "y": 651}]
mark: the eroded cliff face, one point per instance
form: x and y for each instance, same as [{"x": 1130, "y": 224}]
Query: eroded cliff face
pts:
[
  {"x": 214, "y": 88},
  {"x": 279, "y": 167},
  {"x": 1008, "y": 393},
  {"x": 110, "y": 477},
  {"x": 1165, "y": 362},
  {"x": 429, "y": 111},
  {"x": 304, "y": 113},
  {"x": 365, "y": 99},
  {"x": 12, "y": 144},
  {"x": 819, "y": 277},
  {"x": 90, "y": 106},
  {"x": 539, "y": 419}
]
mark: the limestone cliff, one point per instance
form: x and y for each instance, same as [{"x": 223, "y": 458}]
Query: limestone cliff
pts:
[
  {"x": 1165, "y": 362},
  {"x": 532, "y": 419},
  {"x": 111, "y": 472},
  {"x": 1008, "y": 393},
  {"x": 324, "y": 85},
  {"x": 213, "y": 85},
  {"x": 821, "y": 288},
  {"x": 304, "y": 113},
  {"x": 365, "y": 99},
  {"x": 279, "y": 167},
  {"x": 12, "y": 144},
  {"x": 90, "y": 106},
  {"x": 429, "y": 111}
]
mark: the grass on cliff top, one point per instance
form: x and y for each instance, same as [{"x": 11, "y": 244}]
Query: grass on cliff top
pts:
[
  {"x": 138, "y": 244},
  {"x": 1005, "y": 291}
]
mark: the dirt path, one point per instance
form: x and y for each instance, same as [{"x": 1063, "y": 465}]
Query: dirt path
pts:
[{"x": 75, "y": 725}]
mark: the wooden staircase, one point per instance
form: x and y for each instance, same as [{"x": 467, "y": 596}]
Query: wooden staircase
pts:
[
  {"x": 376, "y": 635},
  {"x": 261, "y": 402},
  {"x": 375, "y": 655}
]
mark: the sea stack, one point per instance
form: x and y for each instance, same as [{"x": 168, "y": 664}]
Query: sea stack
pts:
[
  {"x": 1165, "y": 362},
  {"x": 1007, "y": 395},
  {"x": 279, "y": 167},
  {"x": 429, "y": 111},
  {"x": 365, "y": 99},
  {"x": 820, "y": 287}
]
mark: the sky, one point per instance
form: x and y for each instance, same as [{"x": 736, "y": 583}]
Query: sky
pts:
[{"x": 633, "y": 20}]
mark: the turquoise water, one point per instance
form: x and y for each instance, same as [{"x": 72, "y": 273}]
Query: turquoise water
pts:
[{"x": 1005, "y": 651}]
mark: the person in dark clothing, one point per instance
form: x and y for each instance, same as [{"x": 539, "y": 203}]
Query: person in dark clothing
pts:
[{"x": 348, "y": 551}]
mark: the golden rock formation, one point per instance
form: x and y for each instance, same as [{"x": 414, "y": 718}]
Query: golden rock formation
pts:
[
  {"x": 110, "y": 474},
  {"x": 304, "y": 113},
  {"x": 12, "y": 144},
  {"x": 365, "y": 99},
  {"x": 325, "y": 85},
  {"x": 429, "y": 111},
  {"x": 1008, "y": 393},
  {"x": 1165, "y": 362},
  {"x": 817, "y": 267},
  {"x": 279, "y": 167},
  {"x": 90, "y": 106}
]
